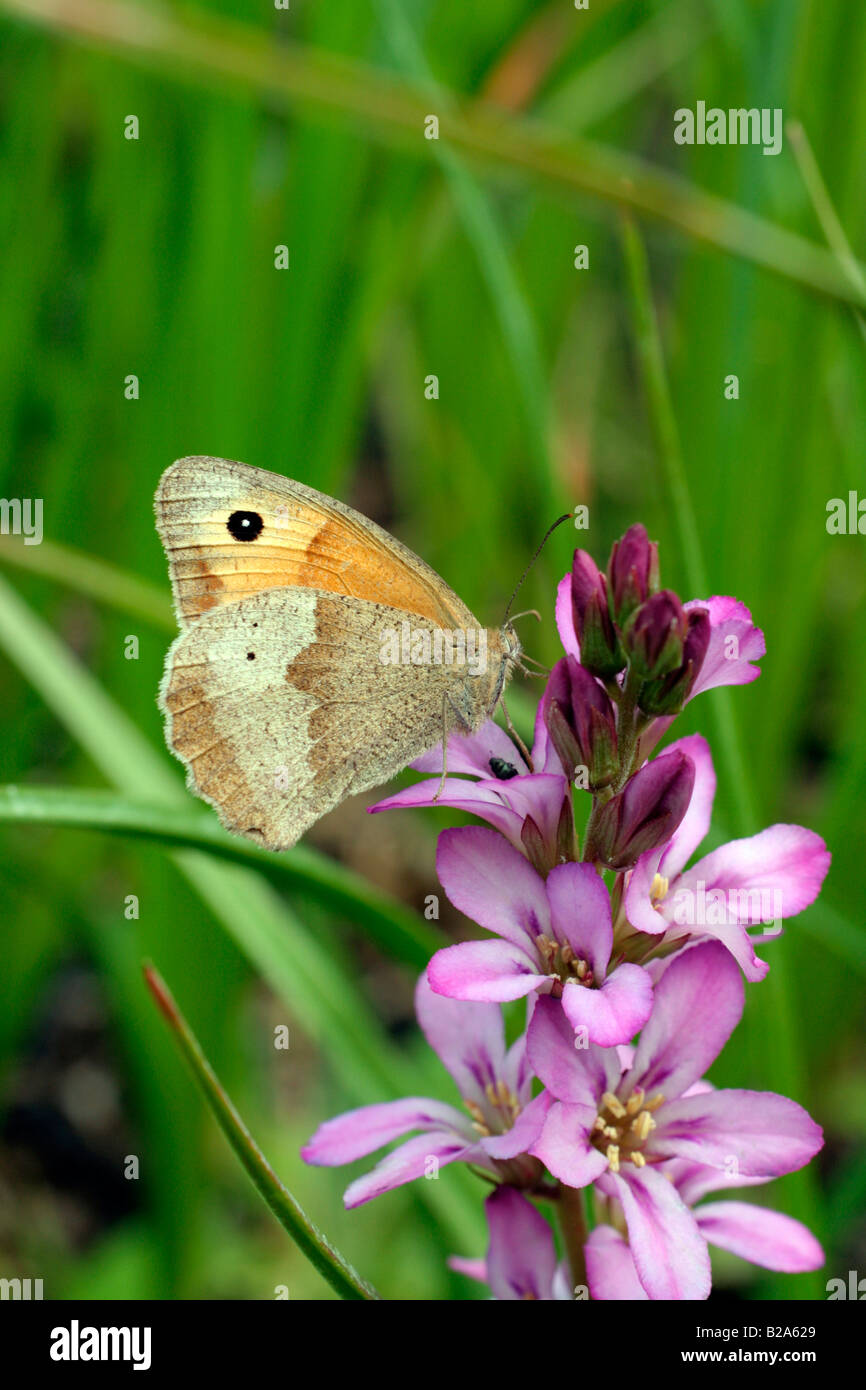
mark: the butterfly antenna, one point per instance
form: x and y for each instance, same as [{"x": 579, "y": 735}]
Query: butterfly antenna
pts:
[{"x": 548, "y": 533}]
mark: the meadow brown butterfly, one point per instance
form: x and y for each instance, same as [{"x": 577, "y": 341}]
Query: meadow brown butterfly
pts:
[{"x": 317, "y": 655}]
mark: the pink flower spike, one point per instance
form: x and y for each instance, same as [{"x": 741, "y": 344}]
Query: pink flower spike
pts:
[
  {"x": 521, "y": 1257},
  {"x": 555, "y": 937},
  {"x": 762, "y": 879},
  {"x": 766, "y": 1238},
  {"x": 495, "y": 1132},
  {"x": 624, "y": 1120}
]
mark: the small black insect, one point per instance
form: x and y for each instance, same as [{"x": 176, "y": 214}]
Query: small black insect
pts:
[
  {"x": 251, "y": 656},
  {"x": 503, "y": 770},
  {"x": 245, "y": 526}
]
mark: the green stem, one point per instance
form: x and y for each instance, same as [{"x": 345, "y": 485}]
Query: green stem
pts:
[
  {"x": 291, "y": 1216},
  {"x": 572, "y": 1223}
]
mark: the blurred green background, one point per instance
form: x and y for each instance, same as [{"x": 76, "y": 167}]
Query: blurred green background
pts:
[{"x": 154, "y": 257}]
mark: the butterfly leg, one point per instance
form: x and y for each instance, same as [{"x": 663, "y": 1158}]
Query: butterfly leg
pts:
[
  {"x": 445, "y": 726},
  {"x": 515, "y": 735}
]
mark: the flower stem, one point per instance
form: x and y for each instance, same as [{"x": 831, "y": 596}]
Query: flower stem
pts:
[{"x": 572, "y": 1223}]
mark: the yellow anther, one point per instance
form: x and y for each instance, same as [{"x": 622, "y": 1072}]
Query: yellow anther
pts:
[
  {"x": 612, "y": 1153},
  {"x": 616, "y": 1107},
  {"x": 634, "y": 1102},
  {"x": 642, "y": 1125},
  {"x": 638, "y": 1160},
  {"x": 658, "y": 891}
]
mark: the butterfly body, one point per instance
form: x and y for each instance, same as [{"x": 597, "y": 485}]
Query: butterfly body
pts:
[{"x": 317, "y": 655}]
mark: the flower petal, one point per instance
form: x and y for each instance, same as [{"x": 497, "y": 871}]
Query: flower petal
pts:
[
  {"x": 579, "y": 1075},
  {"x": 767, "y": 1238},
  {"x": 695, "y": 824},
  {"x": 468, "y": 1039},
  {"x": 487, "y": 971},
  {"x": 473, "y": 1269},
  {"x": 424, "y": 1154},
  {"x": 471, "y": 754},
  {"x": 765, "y": 877},
  {"x": 580, "y": 913},
  {"x": 610, "y": 1268},
  {"x": 478, "y": 798},
  {"x": 698, "y": 1003},
  {"x": 669, "y": 1252},
  {"x": 494, "y": 885},
  {"x": 614, "y": 1013},
  {"x": 523, "y": 1133},
  {"x": 521, "y": 1257},
  {"x": 754, "y": 1133},
  {"x": 565, "y": 617},
  {"x": 362, "y": 1131},
  {"x": 731, "y": 631},
  {"x": 565, "y": 1148}
]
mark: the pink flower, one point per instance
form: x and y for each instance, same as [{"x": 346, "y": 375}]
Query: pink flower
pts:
[
  {"x": 521, "y": 1257},
  {"x": 533, "y": 811},
  {"x": 551, "y": 937},
  {"x": 763, "y": 878},
  {"x": 735, "y": 644},
  {"x": 764, "y": 1237},
  {"x": 621, "y": 1116},
  {"x": 495, "y": 1084}
]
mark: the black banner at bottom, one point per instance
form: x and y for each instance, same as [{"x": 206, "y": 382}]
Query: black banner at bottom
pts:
[{"x": 82, "y": 1339}]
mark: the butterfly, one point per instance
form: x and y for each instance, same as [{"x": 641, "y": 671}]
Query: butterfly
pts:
[{"x": 317, "y": 656}]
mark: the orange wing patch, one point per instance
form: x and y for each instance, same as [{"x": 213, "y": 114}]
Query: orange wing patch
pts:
[{"x": 304, "y": 541}]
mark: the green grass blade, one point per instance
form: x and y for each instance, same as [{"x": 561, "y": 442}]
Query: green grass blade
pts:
[
  {"x": 290, "y": 1214},
  {"x": 219, "y": 52},
  {"x": 301, "y": 971},
  {"x": 92, "y": 577},
  {"x": 396, "y": 930}
]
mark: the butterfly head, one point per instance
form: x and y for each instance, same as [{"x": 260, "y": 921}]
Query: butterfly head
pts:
[{"x": 511, "y": 645}]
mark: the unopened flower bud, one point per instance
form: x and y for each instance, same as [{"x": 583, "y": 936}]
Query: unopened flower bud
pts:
[
  {"x": 667, "y": 694},
  {"x": 581, "y": 722},
  {"x": 656, "y": 634},
  {"x": 645, "y": 814},
  {"x": 600, "y": 651},
  {"x": 632, "y": 573}
]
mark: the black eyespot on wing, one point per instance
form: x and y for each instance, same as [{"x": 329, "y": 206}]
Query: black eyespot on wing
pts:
[
  {"x": 503, "y": 770},
  {"x": 245, "y": 526}
]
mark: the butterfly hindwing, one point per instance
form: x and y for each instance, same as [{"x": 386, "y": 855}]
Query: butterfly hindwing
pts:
[{"x": 280, "y": 705}]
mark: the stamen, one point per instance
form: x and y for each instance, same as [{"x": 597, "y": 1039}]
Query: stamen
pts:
[
  {"x": 616, "y": 1107},
  {"x": 612, "y": 1152},
  {"x": 643, "y": 1124}
]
